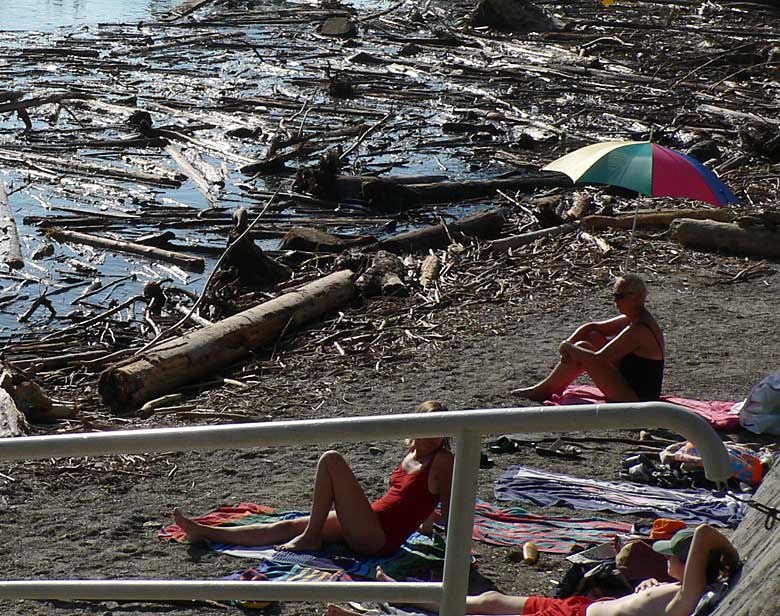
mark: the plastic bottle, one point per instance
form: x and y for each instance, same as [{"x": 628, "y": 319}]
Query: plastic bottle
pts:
[{"x": 530, "y": 553}]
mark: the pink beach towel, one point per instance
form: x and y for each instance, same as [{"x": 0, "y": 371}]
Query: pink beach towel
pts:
[{"x": 718, "y": 413}]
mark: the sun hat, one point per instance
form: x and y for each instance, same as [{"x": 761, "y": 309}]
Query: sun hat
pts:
[
  {"x": 664, "y": 528},
  {"x": 676, "y": 546}
]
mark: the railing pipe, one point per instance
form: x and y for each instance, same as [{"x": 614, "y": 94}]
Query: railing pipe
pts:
[
  {"x": 490, "y": 421},
  {"x": 457, "y": 563},
  {"x": 466, "y": 426}
]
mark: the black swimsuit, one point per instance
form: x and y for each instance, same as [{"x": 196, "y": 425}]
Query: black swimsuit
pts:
[{"x": 644, "y": 375}]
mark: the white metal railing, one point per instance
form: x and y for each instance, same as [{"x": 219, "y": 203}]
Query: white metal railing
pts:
[{"x": 466, "y": 426}]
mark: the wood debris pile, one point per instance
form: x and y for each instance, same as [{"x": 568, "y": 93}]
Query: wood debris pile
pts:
[{"x": 359, "y": 141}]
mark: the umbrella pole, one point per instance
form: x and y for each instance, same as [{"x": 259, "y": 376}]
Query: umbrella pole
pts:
[{"x": 631, "y": 238}]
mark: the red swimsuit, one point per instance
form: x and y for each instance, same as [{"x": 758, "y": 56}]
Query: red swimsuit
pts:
[{"x": 407, "y": 504}]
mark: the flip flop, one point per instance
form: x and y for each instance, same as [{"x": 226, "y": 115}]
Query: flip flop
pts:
[
  {"x": 503, "y": 444},
  {"x": 559, "y": 449}
]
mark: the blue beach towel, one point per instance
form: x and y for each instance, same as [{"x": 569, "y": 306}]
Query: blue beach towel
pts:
[{"x": 551, "y": 489}]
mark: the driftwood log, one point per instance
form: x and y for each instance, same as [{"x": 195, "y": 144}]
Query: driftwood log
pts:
[
  {"x": 393, "y": 193},
  {"x": 22, "y": 400},
  {"x": 384, "y": 276},
  {"x": 713, "y": 236},
  {"x": 197, "y": 354},
  {"x": 195, "y": 264},
  {"x": 315, "y": 240},
  {"x": 758, "y": 545},
  {"x": 485, "y": 225},
  {"x": 659, "y": 218},
  {"x": 515, "y": 241},
  {"x": 10, "y": 249},
  {"x": 254, "y": 268}
]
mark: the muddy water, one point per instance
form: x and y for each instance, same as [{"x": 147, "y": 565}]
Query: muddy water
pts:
[{"x": 46, "y": 15}]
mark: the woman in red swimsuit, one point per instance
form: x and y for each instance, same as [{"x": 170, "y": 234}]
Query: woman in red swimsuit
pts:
[
  {"x": 624, "y": 356},
  {"x": 341, "y": 512}
]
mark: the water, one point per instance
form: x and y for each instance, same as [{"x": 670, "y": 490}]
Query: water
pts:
[
  {"x": 47, "y": 15},
  {"x": 45, "y": 25}
]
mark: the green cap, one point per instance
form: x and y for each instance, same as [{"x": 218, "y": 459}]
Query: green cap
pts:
[{"x": 676, "y": 546}]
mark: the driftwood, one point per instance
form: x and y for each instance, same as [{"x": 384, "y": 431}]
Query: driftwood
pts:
[
  {"x": 429, "y": 270},
  {"x": 758, "y": 545},
  {"x": 485, "y": 224},
  {"x": 516, "y": 241},
  {"x": 199, "y": 353},
  {"x": 12, "y": 422},
  {"x": 384, "y": 277},
  {"x": 390, "y": 193},
  {"x": 22, "y": 400},
  {"x": 711, "y": 235},
  {"x": 200, "y": 181},
  {"x": 195, "y": 264},
  {"x": 658, "y": 218},
  {"x": 10, "y": 249},
  {"x": 315, "y": 240},
  {"x": 254, "y": 268}
]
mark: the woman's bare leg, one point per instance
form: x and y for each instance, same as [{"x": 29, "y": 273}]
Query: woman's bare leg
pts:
[
  {"x": 355, "y": 522},
  {"x": 250, "y": 535},
  {"x": 609, "y": 380}
]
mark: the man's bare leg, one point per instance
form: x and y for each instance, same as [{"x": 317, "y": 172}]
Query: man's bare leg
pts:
[{"x": 490, "y": 602}]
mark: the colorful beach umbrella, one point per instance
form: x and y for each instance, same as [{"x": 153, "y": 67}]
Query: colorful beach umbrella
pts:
[{"x": 647, "y": 168}]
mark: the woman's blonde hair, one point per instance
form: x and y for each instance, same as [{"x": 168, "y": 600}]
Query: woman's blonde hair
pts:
[{"x": 431, "y": 406}]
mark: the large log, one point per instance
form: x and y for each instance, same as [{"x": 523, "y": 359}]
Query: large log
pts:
[
  {"x": 656, "y": 218},
  {"x": 10, "y": 249},
  {"x": 758, "y": 587},
  {"x": 393, "y": 193},
  {"x": 195, "y": 355},
  {"x": 485, "y": 224},
  {"x": 195, "y": 264},
  {"x": 712, "y": 236}
]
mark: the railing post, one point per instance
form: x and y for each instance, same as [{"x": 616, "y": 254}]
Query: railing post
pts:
[{"x": 457, "y": 560}]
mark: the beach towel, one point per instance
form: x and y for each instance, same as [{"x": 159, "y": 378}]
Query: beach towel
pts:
[
  {"x": 555, "y": 489},
  {"x": 720, "y": 414},
  {"x": 418, "y": 556},
  {"x": 556, "y": 535}
]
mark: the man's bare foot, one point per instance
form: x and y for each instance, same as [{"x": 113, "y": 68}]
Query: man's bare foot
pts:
[
  {"x": 195, "y": 532},
  {"x": 530, "y": 393},
  {"x": 301, "y": 543},
  {"x": 337, "y": 610}
]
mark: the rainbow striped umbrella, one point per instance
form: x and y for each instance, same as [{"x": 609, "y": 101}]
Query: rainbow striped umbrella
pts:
[{"x": 647, "y": 168}]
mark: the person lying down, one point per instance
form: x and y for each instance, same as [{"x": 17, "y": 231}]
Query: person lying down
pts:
[{"x": 696, "y": 558}]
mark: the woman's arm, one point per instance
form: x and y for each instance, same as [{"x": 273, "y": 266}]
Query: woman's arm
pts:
[
  {"x": 441, "y": 474},
  {"x": 607, "y": 329}
]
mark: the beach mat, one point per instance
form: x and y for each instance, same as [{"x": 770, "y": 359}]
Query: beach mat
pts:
[
  {"x": 557, "y": 535},
  {"x": 418, "y": 556},
  {"x": 718, "y": 413},
  {"x": 548, "y": 489}
]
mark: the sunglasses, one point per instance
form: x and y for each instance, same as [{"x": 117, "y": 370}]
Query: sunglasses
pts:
[{"x": 621, "y": 295}]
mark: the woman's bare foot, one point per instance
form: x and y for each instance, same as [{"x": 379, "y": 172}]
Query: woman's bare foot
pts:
[
  {"x": 382, "y": 576},
  {"x": 301, "y": 543},
  {"x": 536, "y": 393},
  {"x": 195, "y": 532}
]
